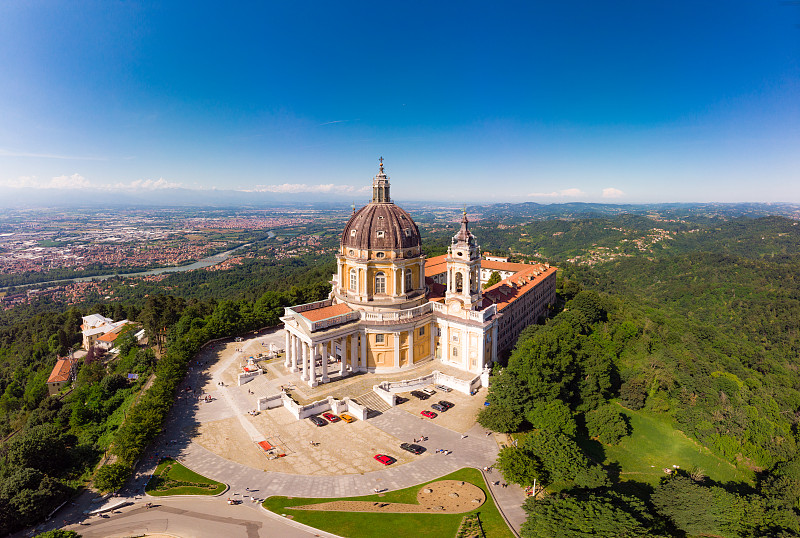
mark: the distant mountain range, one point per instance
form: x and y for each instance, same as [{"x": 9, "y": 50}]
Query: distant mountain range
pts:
[
  {"x": 679, "y": 211},
  {"x": 500, "y": 211}
]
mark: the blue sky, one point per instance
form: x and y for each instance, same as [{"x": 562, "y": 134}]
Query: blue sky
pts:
[{"x": 625, "y": 101}]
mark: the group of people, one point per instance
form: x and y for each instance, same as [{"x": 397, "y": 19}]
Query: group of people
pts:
[
  {"x": 443, "y": 451},
  {"x": 253, "y": 413},
  {"x": 423, "y": 438}
]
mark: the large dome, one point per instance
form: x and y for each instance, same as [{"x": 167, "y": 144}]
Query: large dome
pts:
[{"x": 381, "y": 225}]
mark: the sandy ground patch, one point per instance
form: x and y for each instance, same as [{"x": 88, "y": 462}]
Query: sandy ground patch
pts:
[{"x": 444, "y": 497}]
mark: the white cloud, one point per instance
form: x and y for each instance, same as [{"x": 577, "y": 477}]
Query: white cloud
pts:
[
  {"x": 302, "y": 187},
  {"x": 71, "y": 182},
  {"x": 556, "y": 194},
  {"x": 78, "y": 182},
  {"x": 611, "y": 192},
  {"x": 74, "y": 181},
  {"x": 146, "y": 185}
]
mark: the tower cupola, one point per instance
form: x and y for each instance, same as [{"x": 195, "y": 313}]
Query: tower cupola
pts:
[
  {"x": 464, "y": 268},
  {"x": 380, "y": 187}
]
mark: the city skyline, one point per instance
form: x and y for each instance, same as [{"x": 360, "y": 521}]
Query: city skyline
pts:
[{"x": 467, "y": 103}]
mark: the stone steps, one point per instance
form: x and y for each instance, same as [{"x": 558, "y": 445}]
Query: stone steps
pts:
[{"x": 373, "y": 402}]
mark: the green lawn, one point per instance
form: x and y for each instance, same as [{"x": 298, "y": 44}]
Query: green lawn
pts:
[
  {"x": 365, "y": 524},
  {"x": 172, "y": 478},
  {"x": 656, "y": 444}
]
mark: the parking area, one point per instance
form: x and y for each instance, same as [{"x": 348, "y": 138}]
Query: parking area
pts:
[
  {"x": 460, "y": 418},
  {"x": 227, "y": 425},
  {"x": 334, "y": 449}
]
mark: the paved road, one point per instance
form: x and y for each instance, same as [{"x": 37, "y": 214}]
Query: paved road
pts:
[{"x": 195, "y": 518}]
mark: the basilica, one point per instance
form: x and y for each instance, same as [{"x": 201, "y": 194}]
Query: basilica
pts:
[{"x": 392, "y": 309}]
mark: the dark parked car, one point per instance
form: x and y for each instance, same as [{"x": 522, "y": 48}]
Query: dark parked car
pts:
[
  {"x": 414, "y": 449},
  {"x": 318, "y": 421},
  {"x": 438, "y": 407},
  {"x": 446, "y": 404},
  {"x": 419, "y": 395}
]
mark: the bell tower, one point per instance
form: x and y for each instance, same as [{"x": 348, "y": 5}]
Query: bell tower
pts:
[{"x": 464, "y": 268}]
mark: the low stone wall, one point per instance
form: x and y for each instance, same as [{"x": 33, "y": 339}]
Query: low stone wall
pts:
[
  {"x": 246, "y": 377},
  {"x": 406, "y": 384},
  {"x": 388, "y": 397},
  {"x": 357, "y": 410},
  {"x": 270, "y": 402},
  {"x": 434, "y": 378}
]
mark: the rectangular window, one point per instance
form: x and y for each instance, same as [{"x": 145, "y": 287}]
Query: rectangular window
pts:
[
  {"x": 378, "y": 338},
  {"x": 408, "y": 280},
  {"x": 422, "y": 331},
  {"x": 455, "y": 338}
]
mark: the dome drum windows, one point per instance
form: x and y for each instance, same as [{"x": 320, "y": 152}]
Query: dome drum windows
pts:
[
  {"x": 353, "y": 280},
  {"x": 380, "y": 283}
]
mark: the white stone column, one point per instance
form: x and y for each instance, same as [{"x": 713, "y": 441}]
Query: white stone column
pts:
[
  {"x": 353, "y": 352},
  {"x": 396, "y": 337},
  {"x": 432, "y": 335},
  {"x": 325, "y": 362},
  {"x": 465, "y": 350},
  {"x": 343, "y": 355},
  {"x": 494, "y": 342},
  {"x": 312, "y": 365},
  {"x": 363, "y": 362},
  {"x": 481, "y": 351},
  {"x": 403, "y": 281},
  {"x": 295, "y": 352},
  {"x": 305, "y": 354},
  {"x": 287, "y": 350},
  {"x": 444, "y": 340},
  {"x": 410, "y": 347}
]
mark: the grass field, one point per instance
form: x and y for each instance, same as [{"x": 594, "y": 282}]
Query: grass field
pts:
[
  {"x": 366, "y": 525},
  {"x": 656, "y": 444},
  {"x": 172, "y": 478}
]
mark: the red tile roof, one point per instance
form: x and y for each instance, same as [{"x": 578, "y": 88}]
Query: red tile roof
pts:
[
  {"x": 108, "y": 337},
  {"x": 60, "y": 371},
  {"x": 507, "y": 291},
  {"x": 326, "y": 312},
  {"x": 435, "y": 265}
]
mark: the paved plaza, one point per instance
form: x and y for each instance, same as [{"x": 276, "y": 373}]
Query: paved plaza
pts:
[{"x": 219, "y": 439}]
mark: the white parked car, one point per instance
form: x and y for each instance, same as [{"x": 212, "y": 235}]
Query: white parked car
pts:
[
  {"x": 428, "y": 390},
  {"x": 443, "y": 388}
]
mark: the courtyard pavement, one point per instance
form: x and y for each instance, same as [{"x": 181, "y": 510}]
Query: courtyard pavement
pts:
[{"x": 218, "y": 439}]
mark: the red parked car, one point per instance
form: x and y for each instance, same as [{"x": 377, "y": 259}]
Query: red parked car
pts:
[
  {"x": 331, "y": 417},
  {"x": 429, "y": 414},
  {"x": 384, "y": 459}
]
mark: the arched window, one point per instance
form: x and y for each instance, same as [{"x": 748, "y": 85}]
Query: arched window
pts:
[
  {"x": 380, "y": 283},
  {"x": 459, "y": 283},
  {"x": 408, "y": 280},
  {"x": 353, "y": 280}
]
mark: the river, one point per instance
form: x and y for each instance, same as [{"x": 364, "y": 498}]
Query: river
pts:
[{"x": 200, "y": 264}]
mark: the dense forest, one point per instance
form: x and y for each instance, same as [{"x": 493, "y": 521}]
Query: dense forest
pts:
[
  {"x": 697, "y": 334},
  {"x": 54, "y": 442},
  {"x": 704, "y": 336}
]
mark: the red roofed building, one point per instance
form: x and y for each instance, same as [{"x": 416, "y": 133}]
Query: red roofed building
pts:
[
  {"x": 392, "y": 309},
  {"x": 63, "y": 373}
]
